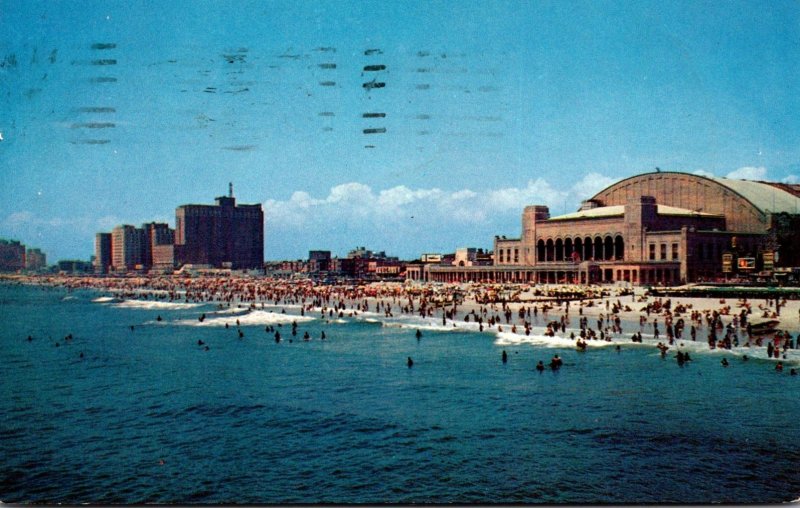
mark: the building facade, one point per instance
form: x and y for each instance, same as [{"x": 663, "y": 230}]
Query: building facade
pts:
[
  {"x": 127, "y": 248},
  {"x": 102, "y": 253},
  {"x": 35, "y": 259},
  {"x": 12, "y": 256},
  {"x": 224, "y": 235},
  {"x": 654, "y": 228}
]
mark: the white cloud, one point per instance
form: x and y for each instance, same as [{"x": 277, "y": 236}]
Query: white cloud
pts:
[
  {"x": 356, "y": 201},
  {"x": 749, "y": 173},
  {"x": 792, "y": 179},
  {"x": 18, "y": 219},
  {"x": 590, "y": 185},
  {"x": 703, "y": 172}
]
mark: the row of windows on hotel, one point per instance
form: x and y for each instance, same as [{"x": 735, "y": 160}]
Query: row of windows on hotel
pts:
[{"x": 607, "y": 249}]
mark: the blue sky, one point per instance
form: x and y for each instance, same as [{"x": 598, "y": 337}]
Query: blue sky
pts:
[{"x": 117, "y": 112}]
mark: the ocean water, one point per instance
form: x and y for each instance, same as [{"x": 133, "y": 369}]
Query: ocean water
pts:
[{"x": 148, "y": 416}]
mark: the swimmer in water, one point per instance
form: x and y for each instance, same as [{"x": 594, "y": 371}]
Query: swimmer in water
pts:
[
  {"x": 410, "y": 362},
  {"x": 724, "y": 362},
  {"x": 540, "y": 366},
  {"x": 505, "y": 357},
  {"x": 419, "y": 334}
]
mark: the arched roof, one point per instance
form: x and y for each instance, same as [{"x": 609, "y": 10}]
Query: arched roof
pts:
[
  {"x": 744, "y": 203},
  {"x": 765, "y": 196}
]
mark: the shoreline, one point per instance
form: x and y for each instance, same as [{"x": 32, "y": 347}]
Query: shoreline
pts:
[{"x": 601, "y": 308}]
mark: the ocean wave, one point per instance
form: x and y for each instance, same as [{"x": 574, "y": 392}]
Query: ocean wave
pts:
[
  {"x": 695, "y": 347},
  {"x": 146, "y": 304},
  {"x": 256, "y": 317},
  {"x": 515, "y": 339},
  {"x": 105, "y": 299},
  {"x": 233, "y": 310}
]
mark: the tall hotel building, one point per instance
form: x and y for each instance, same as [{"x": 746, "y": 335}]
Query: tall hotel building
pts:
[
  {"x": 127, "y": 248},
  {"x": 102, "y": 253},
  {"x": 225, "y": 235}
]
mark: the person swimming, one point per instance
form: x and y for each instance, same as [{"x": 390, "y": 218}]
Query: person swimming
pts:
[
  {"x": 419, "y": 334},
  {"x": 540, "y": 366},
  {"x": 410, "y": 362},
  {"x": 724, "y": 362},
  {"x": 505, "y": 357},
  {"x": 556, "y": 362}
]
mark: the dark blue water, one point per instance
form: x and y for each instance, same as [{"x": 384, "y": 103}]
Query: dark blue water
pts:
[{"x": 148, "y": 416}]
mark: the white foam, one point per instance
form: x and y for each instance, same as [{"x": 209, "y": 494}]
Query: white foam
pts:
[
  {"x": 232, "y": 310},
  {"x": 516, "y": 339},
  {"x": 104, "y": 299},
  {"x": 256, "y": 317},
  {"x": 145, "y": 304}
]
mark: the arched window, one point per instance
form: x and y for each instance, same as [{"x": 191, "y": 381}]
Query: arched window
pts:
[
  {"x": 549, "y": 250},
  {"x": 559, "y": 252},
  {"x": 619, "y": 248},
  {"x": 608, "y": 248},
  {"x": 540, "y": 251},
  {"x": 598, "y": 248}
]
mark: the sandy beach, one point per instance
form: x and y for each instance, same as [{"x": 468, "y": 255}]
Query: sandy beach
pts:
[{"x": 509, "y": 307}]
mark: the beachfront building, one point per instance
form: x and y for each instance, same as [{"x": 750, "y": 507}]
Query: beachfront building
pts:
[
  {"x": 653, "y": 228},
  {"x": 35, "y": 259},
  {"x": 12, "y": 256},
  {"x": 224, "y": 235},
  {"x": 102, "y": 253},
  {"x": 127, "y": 248}
]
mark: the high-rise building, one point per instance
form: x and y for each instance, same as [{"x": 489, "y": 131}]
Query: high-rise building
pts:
[
  {"x": 127, "y": 248},
  {"x": 35, "y": 259},
  {"x": 225, "y": 235},
  {"x": 102, "y": 253},
  {"x": 159, "y": 246},
  {"x": 12, "y": 256}
]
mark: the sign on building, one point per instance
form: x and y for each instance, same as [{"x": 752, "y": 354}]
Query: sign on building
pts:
[
  {"x": 769, "y": 260},
  {"x": 747, "y": 263},
  {"x": 727, "y": 263}
]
